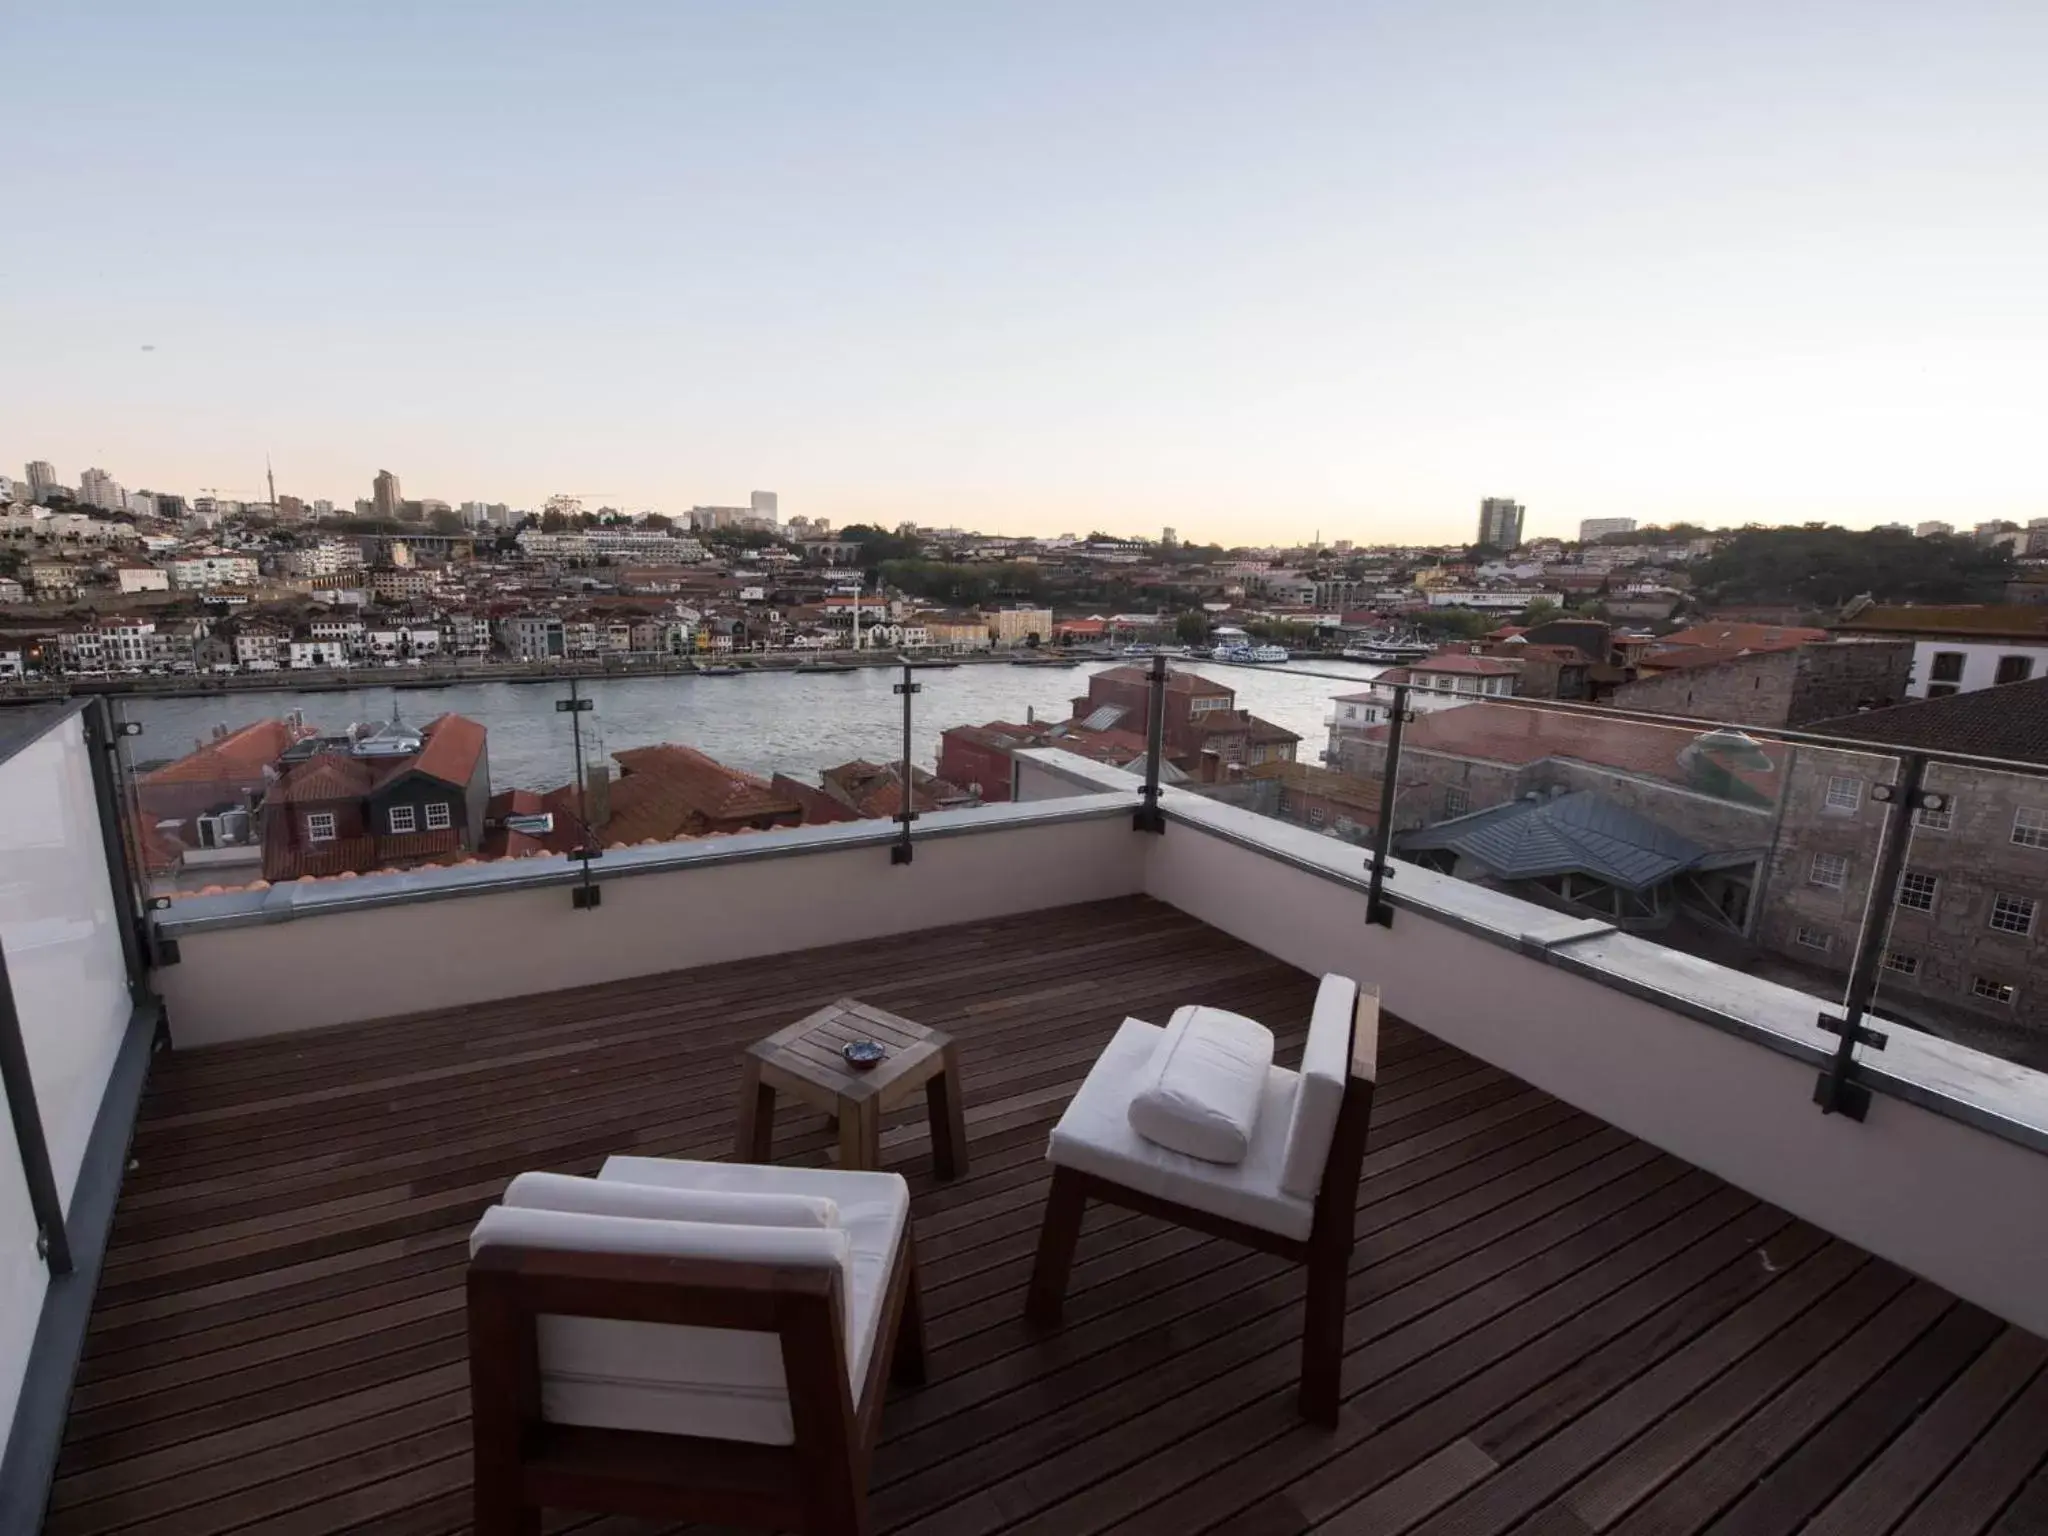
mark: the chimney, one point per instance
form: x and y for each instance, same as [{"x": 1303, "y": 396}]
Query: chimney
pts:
[{"x": 597, "y": 796}]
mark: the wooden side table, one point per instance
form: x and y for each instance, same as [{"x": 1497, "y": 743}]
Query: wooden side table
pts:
[{"x": 804, "y": 1061}]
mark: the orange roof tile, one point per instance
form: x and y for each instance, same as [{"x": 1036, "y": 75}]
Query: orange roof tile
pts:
[
  {"x": 238, "y": 755},
  {"x": 453, "y": 744}
]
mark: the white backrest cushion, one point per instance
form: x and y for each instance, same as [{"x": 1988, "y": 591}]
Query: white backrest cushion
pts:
[
  {"x": 584, "y": 1232},
  {"x": 654, "y": 1202},
  {"x": 1200, "y": 1092},
  {"x": 1325, "y": 1067}
]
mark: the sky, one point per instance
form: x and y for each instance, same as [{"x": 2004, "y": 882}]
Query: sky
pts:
[{"x": 1258, "y": 272}]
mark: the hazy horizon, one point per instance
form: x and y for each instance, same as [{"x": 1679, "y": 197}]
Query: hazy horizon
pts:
[{"x": 1253, "y": 274}]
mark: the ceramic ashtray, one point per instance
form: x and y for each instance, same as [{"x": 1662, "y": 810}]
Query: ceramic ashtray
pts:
[{"x": 862, "y": 1054}]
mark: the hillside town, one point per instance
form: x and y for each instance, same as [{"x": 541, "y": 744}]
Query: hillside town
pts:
[{"x": 101, "y": 586}]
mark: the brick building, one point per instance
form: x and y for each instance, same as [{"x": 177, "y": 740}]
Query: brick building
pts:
[{"x": 1201, "y": 716}]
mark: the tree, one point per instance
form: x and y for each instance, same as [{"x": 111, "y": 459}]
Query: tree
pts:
[
  {"x": 878, "y": 545},
  {"x": 1191, "y": 627},
  {"x": 1541, "y": 611},
  {"x": 444, "y": 521},
  {"x": 1821, "y": 567},
  {"x": 659, "y": 522},
  {"x": 554, "y": 520}
]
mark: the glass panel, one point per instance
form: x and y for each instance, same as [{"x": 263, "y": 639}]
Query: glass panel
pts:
[
  {"x": 1965, "y": 948},
  {"x": 1726, "y": 845},
  {"x": 60, "y": 921}
]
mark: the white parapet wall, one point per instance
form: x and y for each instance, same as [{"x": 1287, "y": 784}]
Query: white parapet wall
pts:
[
  {"x": 1947, "y": 1177},
  {"x": 302, "y": 957}
]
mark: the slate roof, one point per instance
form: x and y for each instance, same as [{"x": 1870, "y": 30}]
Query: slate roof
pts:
[
  {"x": 1579, "y": 833},
  {"x": 2010, "y": 721}
]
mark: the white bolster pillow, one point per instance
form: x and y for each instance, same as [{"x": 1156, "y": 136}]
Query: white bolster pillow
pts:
[
  {"x": 657, "y": 1202},
  {"x": 1200, "y": 1093}
]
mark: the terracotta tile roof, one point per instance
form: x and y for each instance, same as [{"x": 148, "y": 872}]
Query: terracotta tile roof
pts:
[
  {"x": 242, "y": 754},
  {"x": 818, "y": 807},
  {"x": 453, "y": 745},
  {"x": 666, "y": 786},
  {"x": 2010, "y": 721},
  {"x": 1512, "y": 734},
  {"x": 1997, "y": 621},
  {"x": 1746, "y": 637},
  {"x": 1176, "y": 680},
  {"x": 1463, "y": 664},
  {"x": 876, "y": 789},
  {"x": 327, "y": 776}
]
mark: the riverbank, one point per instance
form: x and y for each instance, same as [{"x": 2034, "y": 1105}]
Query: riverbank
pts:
[
  {"x": 445, "y": 674},
  {"x": 448, "y": 674}
]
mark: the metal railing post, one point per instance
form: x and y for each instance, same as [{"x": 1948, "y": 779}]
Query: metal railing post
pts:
[
  {"x": 1381, "y": 867},
  {"x": 1150, "y": 817},
  {"x": 102, "y": 740},
  {"x": 52, "y": 1242},
  {"x": 1838, "y": 1092},
  {"x": 899, "y": 852},
  {"x": 589, "y": 894}
]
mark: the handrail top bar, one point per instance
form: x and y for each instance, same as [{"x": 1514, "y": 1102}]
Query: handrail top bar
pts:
[{"x": 1681, "y": 722}]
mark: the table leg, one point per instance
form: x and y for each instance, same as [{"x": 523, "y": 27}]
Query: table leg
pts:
[
  {"x": 860, "y": 1135},
  {"x": 754, "y": 1141},
  {"x": 947, "y": 1117}
]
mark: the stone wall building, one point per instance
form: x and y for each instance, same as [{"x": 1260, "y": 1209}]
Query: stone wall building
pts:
[
  {"x": 1968, "y": 933},
  {"x": 1777, "y": 687}
]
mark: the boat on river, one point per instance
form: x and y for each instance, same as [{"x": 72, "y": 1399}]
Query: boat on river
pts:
[
  {"x": 1250, "y": 655},
  {"x": 724, "y": 669},
  {"x": 825, "y": 666},
  {"x": 1389, "y": 650}
]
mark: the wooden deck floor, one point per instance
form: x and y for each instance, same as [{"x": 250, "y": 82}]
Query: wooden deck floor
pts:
[{"x": 1554, "y": 1328}]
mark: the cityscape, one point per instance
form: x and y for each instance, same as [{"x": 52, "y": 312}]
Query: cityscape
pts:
[
  {"x": 1294, "y": 782},
  {"x": 291, "y": 633}
]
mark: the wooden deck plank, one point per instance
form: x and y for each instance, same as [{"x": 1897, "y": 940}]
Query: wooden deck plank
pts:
[{"x": 1548, "y": 1322}]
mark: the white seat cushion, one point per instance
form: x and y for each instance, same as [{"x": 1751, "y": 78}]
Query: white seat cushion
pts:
[
  {"x": 718, "y": 1383},
  {"x": 1095, "y": 1136},
  {"x": 615, "y": 1197},
  {"x": 1325, "y": 1069},
  {"x": 1200, "y": 1093}
]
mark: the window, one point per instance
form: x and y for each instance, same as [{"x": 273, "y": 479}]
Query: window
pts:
[
  {"x": 1815, "y": 938},
  {"x": 1457, "y": 801},
  {"x": 2012, "y": 914},
  {"x": 437, "y": 816},
  {"x": 403, "y": 818},
  {"x": 1917, "y": 890},
  {"x": 1940, "y": 690},
  {"x": 1901, "y": 963},
  {"x": 1204, "y": 705},
  {"x": 1993, "y": 991},
  {"x": 1844, "y": 793},
  {"x": 2030, "y": 827},
  {"x": 1948, "y": 667},
  {"x": 320, "y": 826},
  {"x": 1929, "y": 819},
  {"x": 2013, "y": 669},
  {"x": 1317, "y": 816},
  {"x": 1828, "y": 869}
]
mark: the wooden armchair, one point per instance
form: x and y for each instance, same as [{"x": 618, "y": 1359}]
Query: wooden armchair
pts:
[
  {"x": 1295, "y": 1194},
  {"x": 624, "y": 1361}
]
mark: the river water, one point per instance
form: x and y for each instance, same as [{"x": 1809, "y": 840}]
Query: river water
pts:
[{"x": 765, "y": 722}]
